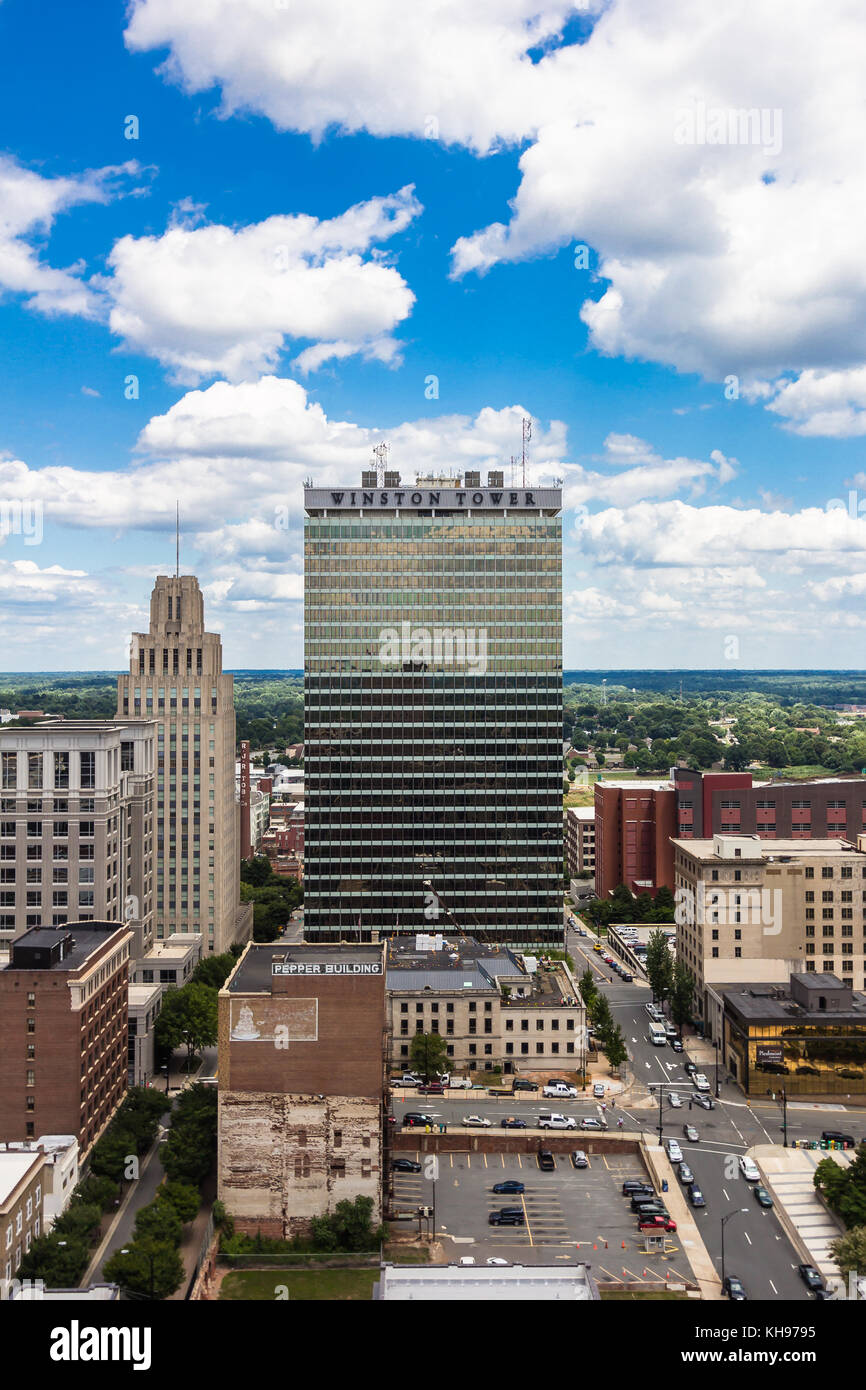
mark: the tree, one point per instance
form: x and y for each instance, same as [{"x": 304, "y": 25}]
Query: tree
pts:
[
  {"x": 98, "y": 1191},
  {"x": 214, "y": 970},
  {"x": 844, "y": 1189},
  {"x": 189, "y": 1152},
  {"x": 354, "y": 1226},
  {"x": 111, "y": 1154},
  {"x": 145, "y": 1260},
  {"x": 659, "y": 967},
  {"x": 428, "y": 1053},
  {"x": 615, "y": 1048},
  {"x": 682, "y": 994},
  {"x": 602, "y": 1019},
  {"x": 79, "y": 1219},
  {"x": 188, "y": 1018},
  {"x": 58, "y": 1266},
  {"x": 185, "y": 1199},
  {"x": 159, "y": 1222},
  {"x": 588, "y": 988},
  {"x": 849, "y": 1251}
]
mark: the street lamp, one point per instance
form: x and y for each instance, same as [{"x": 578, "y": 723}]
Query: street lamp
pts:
[
  {"x": 738, "y": 1211},
  {"x": 718, "y": 1087}
]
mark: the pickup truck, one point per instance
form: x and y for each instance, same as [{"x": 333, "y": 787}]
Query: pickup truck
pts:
[
  {"x": 560, "y": 1090},
  {"x": 555, "y": 1121}
]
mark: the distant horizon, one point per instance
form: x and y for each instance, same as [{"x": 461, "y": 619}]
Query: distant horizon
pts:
[{"x": 566, "y": 671}]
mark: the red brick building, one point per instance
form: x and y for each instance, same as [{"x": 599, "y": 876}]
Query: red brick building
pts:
[
  {"x": 633, "y": 825},
  {"x": 63, "y": 1025}
]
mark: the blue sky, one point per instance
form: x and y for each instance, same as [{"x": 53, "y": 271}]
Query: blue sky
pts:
[{"x": 323, "y": 210}]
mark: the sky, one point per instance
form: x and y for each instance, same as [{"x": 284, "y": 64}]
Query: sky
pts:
[{"x": 242, "y": 242}]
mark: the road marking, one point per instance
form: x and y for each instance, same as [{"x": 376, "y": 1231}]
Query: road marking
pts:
[
  {"x": 526, "y": 1219},
  {"x": 725, "y": 1194},
  {"x": 773, "y": 1287},
  {"x": 748, "y": 1237},
  {"x": 485, "y": 1160}
]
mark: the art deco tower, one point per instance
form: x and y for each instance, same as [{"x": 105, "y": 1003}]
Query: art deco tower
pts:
[{"x": 176, "y": 677}]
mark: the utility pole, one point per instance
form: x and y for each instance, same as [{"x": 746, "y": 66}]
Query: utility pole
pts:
[
  {"x": 718, "y": 1088},
  {"x": 784, "y": 1118}
]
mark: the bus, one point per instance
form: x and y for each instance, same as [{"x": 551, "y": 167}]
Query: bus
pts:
[{"x": 657, "y": 1034}]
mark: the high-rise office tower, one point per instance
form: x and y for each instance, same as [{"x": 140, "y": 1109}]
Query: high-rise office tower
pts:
[
  {"x": 433, "y": 709},
  {"x": 176, "y": 677}
]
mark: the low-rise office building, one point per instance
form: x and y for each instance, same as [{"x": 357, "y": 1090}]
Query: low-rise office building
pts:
[
  {"x": 807, "y": 1037},
  {"x": 22, "y": 1192},
  {"x": 60, "y": 1174},
  {"x": 145, "y": 1003},
  {"x": 493, "y": 1007},
  {"x": 580, "y": 840},
  {"x": 170, "y": 962},
  {"x": 301, "y": 1084}
]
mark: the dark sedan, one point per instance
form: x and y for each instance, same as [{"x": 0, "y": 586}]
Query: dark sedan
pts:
[
  {"x": 512, "y": 1123},
  {"x": 810, "y": 1276},
  {"x": 405, "y": 1165},
  {"x": 511, "y": 1186},
  {"x": 734, "y": 1288}
]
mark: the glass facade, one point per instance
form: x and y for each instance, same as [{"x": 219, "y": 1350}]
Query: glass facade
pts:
[{"x": 433, "y": 723}]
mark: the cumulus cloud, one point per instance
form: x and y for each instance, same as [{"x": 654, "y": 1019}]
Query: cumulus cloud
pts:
[
  {"x": 209, "y": 300},
  {"x": 29, "y": 205}
]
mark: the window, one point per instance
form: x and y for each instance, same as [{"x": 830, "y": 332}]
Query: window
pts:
[
  {"x": 61, "y": 769},
  {"x": 34, "y": 770},
  {"x": 88, "y": 770},
  {"x": 810, "y": 873}
]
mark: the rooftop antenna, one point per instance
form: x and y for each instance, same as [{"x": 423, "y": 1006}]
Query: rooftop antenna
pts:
[
  {"x": 380, "y": 454},
  {"x": 527, "y": 435},
  {"x": 513, "y": 462},
  {"x": 177, "y": 543}
]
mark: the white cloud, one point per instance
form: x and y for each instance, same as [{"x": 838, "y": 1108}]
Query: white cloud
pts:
[
  {"x": 208, "y": 300},
  {"x": 29, "y": 205},
  {"x": 824, "y": 403}
]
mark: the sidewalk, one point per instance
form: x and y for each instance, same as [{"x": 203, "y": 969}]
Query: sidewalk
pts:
[
  {"x": 809, "y": 1225},
  {"x": 688, "y": 1234}
]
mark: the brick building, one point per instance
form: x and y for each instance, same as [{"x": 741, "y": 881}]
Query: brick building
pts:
[
  {"x": 301, "y": 1083},
  {"x": 634, "y": 821},
  {"x": 63, "y": 1022}
]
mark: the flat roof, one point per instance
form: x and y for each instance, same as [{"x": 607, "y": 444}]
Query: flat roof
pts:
[
  {"x": 253, "y": 973},
  {"x": 766, "y": 849},
  {"x": 760, "y": 1001},
  {"x": 140, "y": 994},
  {"x": 88, "y": 939},
  {"x": 13, "y": 1167}
]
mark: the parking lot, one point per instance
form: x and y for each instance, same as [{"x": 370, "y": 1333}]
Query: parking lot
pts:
[{"x": 577, "y": 1213}]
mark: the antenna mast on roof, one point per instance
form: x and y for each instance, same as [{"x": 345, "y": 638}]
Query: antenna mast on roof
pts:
[
  {"x": 380, "y": 454},
  {"x": 527, "y": 435}
]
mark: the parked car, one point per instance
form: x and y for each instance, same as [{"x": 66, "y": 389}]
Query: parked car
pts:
[
  {"x": 546, "y": 1161},
  {"x": 590, "y": 1122},
  {"x": 627, "y": 978},
  {"x": 705, "y": 1102},
  {"x": 691, "y": 1134},
  {"x": 433, "y": 1088},
  {"x": 690, "y": 1068},
  {"x": 510, "y": 1188},
  {"x": 676, "y": 1045},
  {"x": 410, "y": 1079},
  {"x": 811, "y": 1277},
  {"x": 512, "y": 1122},
  {"x": 518, "y": 1085},
  {"x": 496, "y": 1260},
  {"x": 700, "y": 1082},
  {"x": 675, "y": 1100},
  {"x": 762, "y": 1196},
  {"x": 649, "y": 1205},
  {"x": 475, "y": 1122},
  {"x": 674, "y": 1152},
  {"x": 696, "y": 1196},
  {"x": 557, "y": 1122},
  {"x": 405, "y": 1165},
  {"x": 579, "y": 1159},
  {"x": 507, "y": 1216},
  {"x": 598, "y": 1089},
  {"x": 460, "y": 1083},
  {"x": 657, "y": 1223},
  {"x": 734, "y": 1289},
  {"x": 414, "y": 1117},
  {"x": 686, "y": 1175},
  {"x": 560, "y": 1090},
  {"x": 652, "y": 1011},
  {"x": 635, "y": 1185},
  {"x": 749, "y": 1169}
]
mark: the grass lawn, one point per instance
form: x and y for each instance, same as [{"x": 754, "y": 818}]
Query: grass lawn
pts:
[{"x": 331, "y": 1285}]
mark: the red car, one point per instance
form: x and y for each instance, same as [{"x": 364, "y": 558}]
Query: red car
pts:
[
  {"x": 657, "y": 1223},
  {"x": 434, "y": 1088}
]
